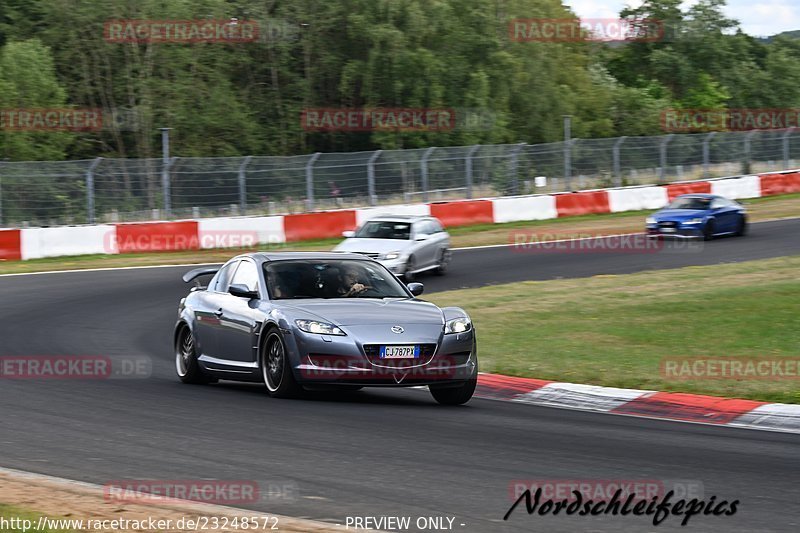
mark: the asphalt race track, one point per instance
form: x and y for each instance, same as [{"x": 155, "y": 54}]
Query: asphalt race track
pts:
[{"x": 387, "y": 452}]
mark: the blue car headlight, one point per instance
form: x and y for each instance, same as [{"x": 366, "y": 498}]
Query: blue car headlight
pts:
[
  {"x": 692, "y": 221},
  {"x": 458, "y": 325},
  {"x": 320, "y": 328},
  {"x": 651, "y": 220}
]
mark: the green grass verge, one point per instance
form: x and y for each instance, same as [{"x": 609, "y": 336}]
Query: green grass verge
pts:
[
  {"x": 615, "y": 330},
  {"x": 16, "y": 517}
]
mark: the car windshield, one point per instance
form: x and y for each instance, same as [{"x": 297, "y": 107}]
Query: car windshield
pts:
[
  {"x": 690, "y": 202},
  {"x": 381, "y": 229},
  {"x": 341, "y": 278}
]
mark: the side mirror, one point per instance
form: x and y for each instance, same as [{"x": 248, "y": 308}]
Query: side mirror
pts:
[
  {"x": 348, "y": 234},
  {"x": 422, "y": 237},
  {"x": 416, "y": 288},
  {"x": 242, "y": 291}
]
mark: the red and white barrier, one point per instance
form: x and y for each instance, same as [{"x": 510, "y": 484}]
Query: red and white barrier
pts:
[
  {"x": 520, "y": 208},
  {"x": 637, "y": 198},
  {"x": 735, "y": 188},
  {"x": 248, "y": 232},
  {"x": 10, "y": 245}
]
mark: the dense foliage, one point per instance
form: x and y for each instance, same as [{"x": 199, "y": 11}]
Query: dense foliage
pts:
[{"x": 246, "y": 98}]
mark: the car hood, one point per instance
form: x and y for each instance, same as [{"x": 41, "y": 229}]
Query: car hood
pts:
[
  {"x": 366, "y": 311},
  {"x": 680, "y": 214},
  {"x": 379, "y": 246}
]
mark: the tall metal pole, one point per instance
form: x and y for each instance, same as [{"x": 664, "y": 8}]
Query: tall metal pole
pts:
[
  {"x": 469, "y": 168},
  {"x": 243, "y": 185},
  {"x": 373, "y": 198},
  {"x": 662, "y": 170},
  {"x": 568, "y": 151},
  {"x": 165, "y": 171},
  {"x": 747, "y": 151},
  {"x": 514, "y": 166},
  {"x": 310, "y": 181},
  {"x": 2, "y": 163},
  {"x": 90, "y": 211},
  {"x": 424, "y": 172},
  {"x": 707, "y": 154},
  {"x": 617, "y": 163},
  {"x": 785, "y": 142}
]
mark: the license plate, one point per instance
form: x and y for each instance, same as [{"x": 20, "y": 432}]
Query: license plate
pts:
[
  {"x": 668, "y": 230},
  {"x": 399, "y": 352}
]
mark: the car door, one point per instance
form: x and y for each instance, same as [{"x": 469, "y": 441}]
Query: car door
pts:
[
  {"x": 725, "y": 216},
  {"x": 439, "y": 238},
  {"x": 241, "y": 317},
  {"x": 426, "y": 254},
  {"x": 209, "y": 312}
]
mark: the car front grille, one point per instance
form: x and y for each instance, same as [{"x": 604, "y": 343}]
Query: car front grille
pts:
[
  {"x": 667, "y": 224},
  {"x": 372, "y": 255},
  {"x": 426, "y": 351}
]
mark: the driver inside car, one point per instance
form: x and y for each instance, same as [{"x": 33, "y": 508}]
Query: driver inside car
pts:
[{"x": 352, "y": 281}]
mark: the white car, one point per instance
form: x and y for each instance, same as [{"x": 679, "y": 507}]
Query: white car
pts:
[{"x": 406, "y": 245}]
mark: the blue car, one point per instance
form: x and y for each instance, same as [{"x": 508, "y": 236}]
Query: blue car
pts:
[{"x": 698, "y": 215}]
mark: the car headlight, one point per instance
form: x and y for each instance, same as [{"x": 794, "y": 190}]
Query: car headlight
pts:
[
  {"x": 457, "y": 325},
  {"x": 693, "y": 221},
  {"x": 320, "y": 328},
  {"x": 391, "y": 255},
  {"x": 651, "y": 220}
]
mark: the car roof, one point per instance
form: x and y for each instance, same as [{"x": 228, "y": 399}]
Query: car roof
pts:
[
  {"x": 403, "y": 218},
  {"x": 284, "y": 256},
  {"x": 699, "y": 195}
]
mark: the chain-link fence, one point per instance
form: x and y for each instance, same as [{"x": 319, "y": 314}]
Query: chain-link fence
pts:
[{"x": 119, "y": 190}]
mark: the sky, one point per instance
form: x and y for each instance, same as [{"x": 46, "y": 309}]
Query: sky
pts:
[{"x": 759, "y": 18}]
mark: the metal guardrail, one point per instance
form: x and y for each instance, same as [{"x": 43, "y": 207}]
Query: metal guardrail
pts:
[{"x": 34, "y": 193}]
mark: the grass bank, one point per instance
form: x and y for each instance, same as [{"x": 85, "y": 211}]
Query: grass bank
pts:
[{"x": 615, "y": 330}]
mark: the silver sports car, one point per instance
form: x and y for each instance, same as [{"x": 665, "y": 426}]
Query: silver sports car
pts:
[
  {"x": 407, "y": 245},
  {"x": 298, "y": 320}
]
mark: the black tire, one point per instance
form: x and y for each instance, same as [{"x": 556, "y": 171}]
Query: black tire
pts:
[
  {"x": 444, "y": 262},
  {"x": 411, "y": 264},
  {"x": 186, "y": 364},
  {"x": 275, "y": 368},
  {"x": 708, "y": 231},
  {"x": 741, "y": 229},
  {"x": 457, "y": 395}
]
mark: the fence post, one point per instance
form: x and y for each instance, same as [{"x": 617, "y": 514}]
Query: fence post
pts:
[
  {"x": 424, "y": 172},
  {"x": 166, "y": 163},
  {"x": 2, "y": 163},
  {"x": 568, "y": 152},
  {"x": 310, "y": 181},
  {"x": 373, "y": 198},
  {"x": 746, "y": 161},
  {"x": 468, "y": 169},
  {"x": 707, "y": 154},
  {"x": 514, "y": 166},
  {"x": 662, "y": 170},
  {"x": 243, "y": 185},
  {"x": 784, "y": 141},
  {"x": 617, "y": 164},
  {"x": 90, "y": 213}
]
